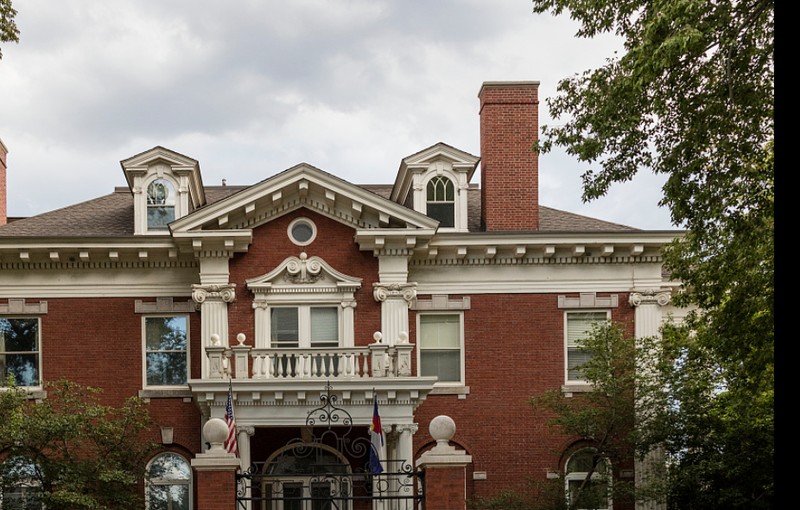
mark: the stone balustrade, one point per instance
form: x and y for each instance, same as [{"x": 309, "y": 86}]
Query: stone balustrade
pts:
[{"x": 377, "y": 360}]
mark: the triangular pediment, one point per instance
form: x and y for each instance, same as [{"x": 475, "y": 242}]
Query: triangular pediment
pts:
[
  {"x": 161, "y": 159},
  {"x": 457, "y": 160},
  {"x": 303, "y": 275},
  {"x": 303, "y": 186}
]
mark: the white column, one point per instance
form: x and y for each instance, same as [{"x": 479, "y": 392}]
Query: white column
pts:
[
  {"x": 395, "y": 299},
  {"x": 213, "y": 302},
  {"x": 243, "y": 435},
  {"x": 649, "y": 304}
]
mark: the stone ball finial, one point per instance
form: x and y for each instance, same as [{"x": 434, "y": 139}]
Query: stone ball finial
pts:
[
  {"x": 240, "y": 338},
  {"x": 403, "y": 337},
  {"x": 214, "y": 339},
  {"x": 377, "y": 336},
  {"x": 442, "y": 429},
  {"x": 215, "y": 431}
]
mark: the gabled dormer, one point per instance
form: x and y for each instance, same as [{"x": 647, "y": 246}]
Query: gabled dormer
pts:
[
  {"x": 165, "y": 186},
  {"x": 434, "y": 182}
]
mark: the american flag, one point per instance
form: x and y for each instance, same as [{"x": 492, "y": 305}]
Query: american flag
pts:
[{"x": 230, "y": 442}]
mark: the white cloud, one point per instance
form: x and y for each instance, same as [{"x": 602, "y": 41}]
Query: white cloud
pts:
[{"x": 250, "y": 88}]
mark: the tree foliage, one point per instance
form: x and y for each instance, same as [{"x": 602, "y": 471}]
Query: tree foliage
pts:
[
  {"x": 692, "y": 97},
  {"x": 8, "y": 27},
  {"x": 604, "y": 418},
  {"x": 79, "y": 453}
]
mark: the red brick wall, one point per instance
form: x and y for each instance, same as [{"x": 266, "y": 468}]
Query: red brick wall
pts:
[
  {"x": 333, "y": 243},
  {"x": 444, "y": 488},
  {"x": 514, "y": 349},
  {"x": 216, "y": 490},
  {"x": 98, "y": 342},
  {"x": 509, "y": 124}
]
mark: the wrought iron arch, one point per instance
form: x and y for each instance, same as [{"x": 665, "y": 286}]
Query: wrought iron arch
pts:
[{"x": 316, "y": 471}]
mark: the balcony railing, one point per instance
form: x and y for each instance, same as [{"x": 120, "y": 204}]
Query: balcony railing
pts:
[{"x": 377, "y": 360}]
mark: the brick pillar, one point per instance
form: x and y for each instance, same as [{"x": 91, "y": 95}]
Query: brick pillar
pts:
[
  {"x": 215, "y": 470},
  {"x": 445, "y": 469}
]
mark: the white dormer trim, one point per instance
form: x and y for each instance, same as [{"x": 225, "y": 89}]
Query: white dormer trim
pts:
[
  {"x": 417, "y": 170},
  {"x": 181, "y": 172}
]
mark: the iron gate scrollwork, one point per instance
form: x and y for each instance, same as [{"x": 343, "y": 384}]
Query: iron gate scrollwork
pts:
[{"x": 313, "y": 472}]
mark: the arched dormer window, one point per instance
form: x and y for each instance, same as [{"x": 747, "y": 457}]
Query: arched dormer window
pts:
[
  {"x": 441, "y": 201},
  {"x": 588, "y": 479},
  {"x": 160, "y": 204}
]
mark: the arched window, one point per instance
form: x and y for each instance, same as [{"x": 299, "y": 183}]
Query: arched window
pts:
[
  {"x": 441, "y": 201},
  {"x": 20, "y": 485},
  {"x": 169, "y": 483},
  {"x": 160, "y": 204},
  {"x": 588, "y": 479}
]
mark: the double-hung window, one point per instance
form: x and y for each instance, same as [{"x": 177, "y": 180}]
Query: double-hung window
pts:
[
  {"x": 578, "y": 325},
  {"x": 441, "y": 350},
  {"x": 166, "y": 350},
  {"x": 19, "y": 350},
  {"x": 304, "y": 326}
]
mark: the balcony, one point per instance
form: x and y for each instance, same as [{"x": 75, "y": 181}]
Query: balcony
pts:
[
  {"x": 243, "y": 362},
  {"x": 290, "y": 381}
]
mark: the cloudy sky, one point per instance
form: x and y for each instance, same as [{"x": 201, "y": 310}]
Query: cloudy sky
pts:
[{"x": 252, "y": 87}]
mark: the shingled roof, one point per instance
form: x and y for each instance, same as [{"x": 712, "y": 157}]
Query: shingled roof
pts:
[{"x": 111, "y": 216}]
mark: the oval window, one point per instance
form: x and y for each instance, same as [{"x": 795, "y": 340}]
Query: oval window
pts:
[{"x": 302, "y": 231}]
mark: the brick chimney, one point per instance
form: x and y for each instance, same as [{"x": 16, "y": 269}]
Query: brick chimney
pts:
[
  {"x": 509, "y": 114},
  {"x": 3, "y": 191}
]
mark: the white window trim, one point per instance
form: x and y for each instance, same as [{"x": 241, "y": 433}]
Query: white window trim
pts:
[
  {"x": 304, "y": 322},
  {"x": 576, "y": 385},
  {"x": 146, "y": 386},
  {"x": 462, "y": 376},
  {"x": 179, "y": 209},
  {"x": 304, "y": 281},
  {"x": 306, "y": 221},
  {"x": 36, "y": 389},
  {"x": 459, "y": 212}
]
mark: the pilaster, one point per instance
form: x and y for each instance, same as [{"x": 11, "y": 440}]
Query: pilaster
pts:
[{"x": 649, "y": 304}]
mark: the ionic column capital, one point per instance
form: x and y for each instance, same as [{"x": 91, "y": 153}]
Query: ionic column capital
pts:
[
  {"x": 225, "y": 293},
  {"x": 386, "y": 291},
  {"x": 650, "y": 297}
]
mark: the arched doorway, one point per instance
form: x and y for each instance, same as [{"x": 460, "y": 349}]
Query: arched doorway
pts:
[{"x": 306, "y": 476}]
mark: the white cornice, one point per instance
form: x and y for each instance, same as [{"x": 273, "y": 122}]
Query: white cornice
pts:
[
  {"x": 542, "y": 247},
  {"x": 214, "y": 241},
  {"x": 397, "y": 239},
  {"x": 73, "y": 252}
]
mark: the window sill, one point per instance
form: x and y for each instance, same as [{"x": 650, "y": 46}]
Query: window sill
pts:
[
  {"x": 32, "y": 392},
  {"x": 569, "y": 389},
  {"x": 184, "y": 393},
  {"x": 461, "y": 391}
]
